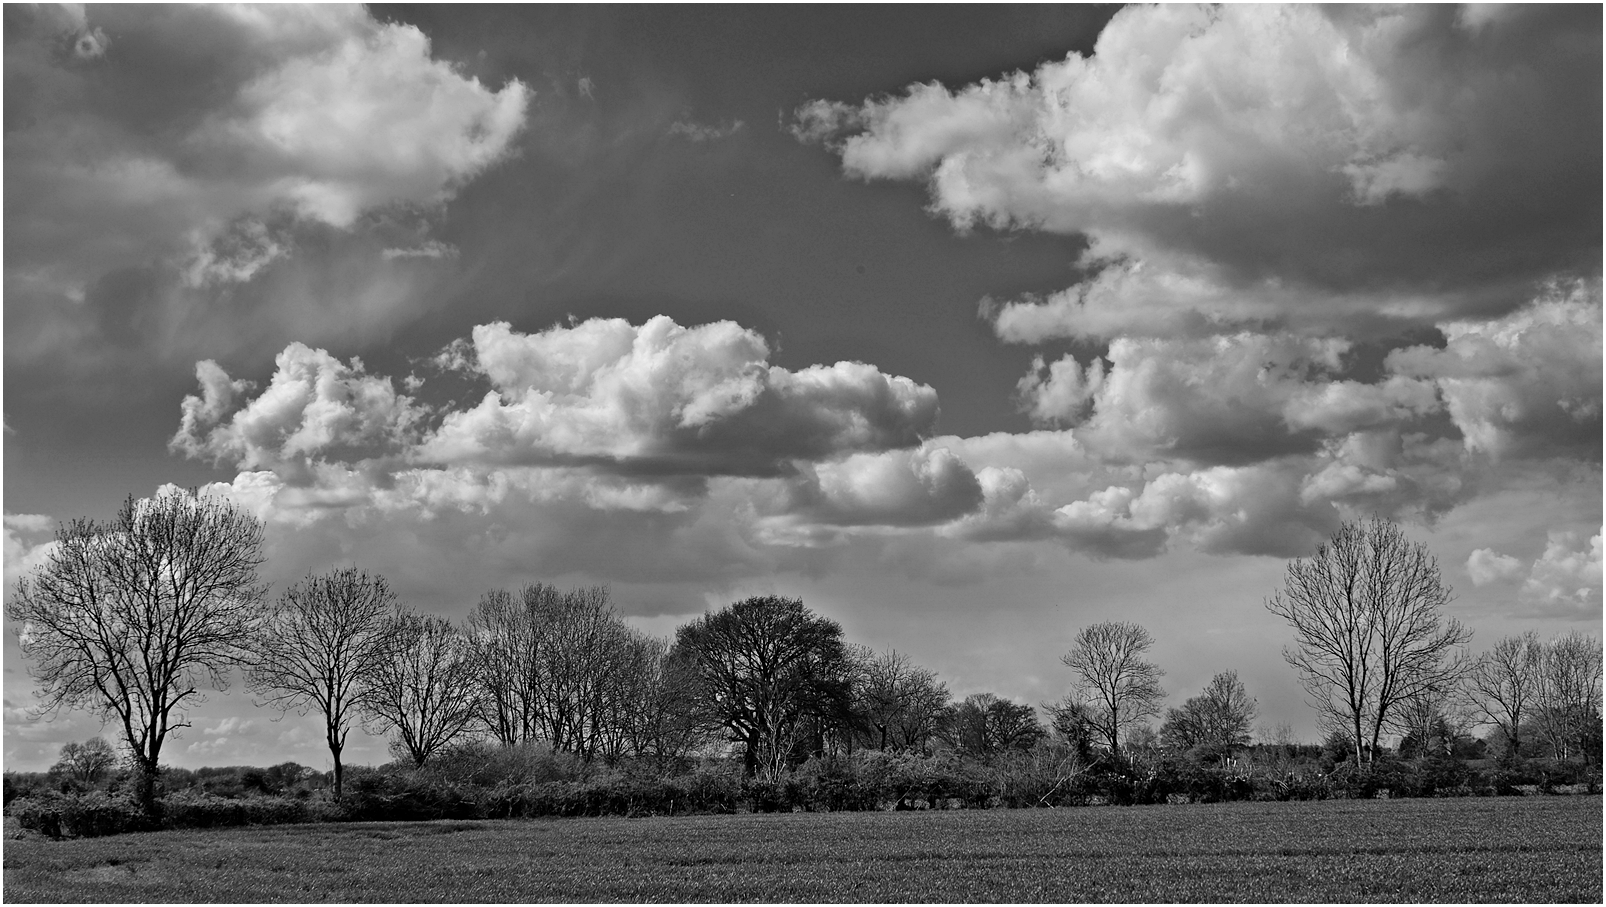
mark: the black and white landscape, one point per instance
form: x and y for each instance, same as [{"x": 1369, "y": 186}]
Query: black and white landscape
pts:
[{"x": 972, "y": 328}]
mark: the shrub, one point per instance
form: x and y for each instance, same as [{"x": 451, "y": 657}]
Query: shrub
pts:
[
  {"x": 193, "y": 809},
  {"x": 379, "y": 796},
  {"x": 88, "y": 815}
]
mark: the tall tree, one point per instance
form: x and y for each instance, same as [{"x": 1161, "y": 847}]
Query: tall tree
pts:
[
  {"x": 422, "y": 689},
  {"x": 1117, "y": 686},
  {"x": 130, "y": 617},
  {"x": 1368, "y": 632},
  {"x": 1569, "y": 695},
  {"x": 320, "y": 647},
  {"x": 763, "y": 665},
  {"x": 1502, "y": 683},
  {"x": 1217, "y": 720}
]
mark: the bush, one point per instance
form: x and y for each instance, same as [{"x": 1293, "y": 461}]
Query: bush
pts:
[
  {"x": 89, "y": 815},
  {"x": 385, "y": 796},
  {"x": 192, "y": 809}
]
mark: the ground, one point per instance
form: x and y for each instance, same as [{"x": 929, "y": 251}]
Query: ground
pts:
[{"x": 1526, "y": 849}]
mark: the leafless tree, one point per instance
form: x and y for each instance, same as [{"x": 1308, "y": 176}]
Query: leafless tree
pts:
[
  {"x": 556, "y": 666},
  {"x": 87, "y": 762},
  {"x": 320, "y": 647},
  {"x": 1502, "y": 684},
  {"x": 901, "y": 703},
  {"x": 1569, "y": 694},
  {"x": 129, "y": 617},
  {"x": 1118, "y": 687},
  {"x": 422, "y": 688},
  {"x": 1367, "y": 627},
  {"x": 1218, "y": 719}
]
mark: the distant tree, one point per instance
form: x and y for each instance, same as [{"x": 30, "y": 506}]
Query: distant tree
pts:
[
  {"x": 422, "y": 688},
  {"x": 986, "y": 726},
  {"x": 86, "y": 762},
  {"x": 667, "y": 725},
  {"x": 1072, "y": 721},
  {"x": 1569, "y": 695},
  {"x": 1140, "y": 738},
  {"x": 1502, "y": 685},
  {"x": 1118, "y": 687},
  {"x": 555, "y": 666},
  {"x": 320, "y": 648},
  {"x": 1368, "y": 633},
  {"x": 1216, "y": 721},
  {"x": 902, "y": 703},
  {"x": 763, "y": 666},
  {"x": 127, "y": 618},
  {"x": 1431, "y": 722}
]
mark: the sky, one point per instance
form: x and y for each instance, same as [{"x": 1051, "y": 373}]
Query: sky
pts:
[{"x": 970, "y": 326}]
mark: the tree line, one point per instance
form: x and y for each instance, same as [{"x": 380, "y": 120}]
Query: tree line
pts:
[{"x": 130, "y": 618}]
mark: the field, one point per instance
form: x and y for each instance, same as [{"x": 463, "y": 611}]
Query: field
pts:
[{"x": 1495, "y": 849}]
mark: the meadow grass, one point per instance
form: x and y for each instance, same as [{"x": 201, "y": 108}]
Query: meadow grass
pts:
[{"x": 1498, "y": 849}]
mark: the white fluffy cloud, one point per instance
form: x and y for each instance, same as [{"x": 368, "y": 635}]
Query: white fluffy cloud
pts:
[
  {"x": 323, "y": 111},
  {"x": 1485, "y": 566},
  {"x": 1241, "y": 164},
  {"x": 1566, "y": 578},
  {"x": 315, "y": 408},
  {"x": 28, "y": 541},
  {"x": 226, "y": 172},
  {"x": 1526, "y": 384},
  {"x": 670, "y": 399}
]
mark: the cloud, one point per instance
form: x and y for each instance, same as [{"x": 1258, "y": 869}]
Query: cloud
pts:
[
  {"x": 1486, "y": 566},
  {"x": 29, "y": 539},
  {"x": 699, "y": 133},
  {"x": 315, "y": 407},
  {"x": 1219, "y": 400},
  {"x": 1565, "y": 580},
  {"x": 668, "y": 399},
  {"x": 1245, "y": 166},
  {"x": 1528, "y": 384},
  {"x": 216, "y": 161}
]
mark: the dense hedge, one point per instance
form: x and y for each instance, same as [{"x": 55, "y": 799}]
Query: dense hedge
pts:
[{"x": 479, "y": 782}]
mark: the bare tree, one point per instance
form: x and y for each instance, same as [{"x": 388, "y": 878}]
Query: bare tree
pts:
[
  {"x": 901, "y": 703},
  {"x": 1502, "y": 684},
  {"x": 987, "y": 726},
  {"x": 422, "y": 688},
  {"x": 1217, "y": 720},
  {"x": 319, "y": 648},
  {"x": 87, "y": 762},
  {"x": 128, "y": 618},
  {"x": 1118, "y": 688},
  {"x": 1367, "y": 627},
  {"x": 1569, "y": 695}
]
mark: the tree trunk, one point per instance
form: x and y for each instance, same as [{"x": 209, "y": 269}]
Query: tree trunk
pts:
[{"x": 145, "y": 778}]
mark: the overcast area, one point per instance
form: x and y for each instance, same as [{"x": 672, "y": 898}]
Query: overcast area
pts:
[{"x": 970, "y": 327}]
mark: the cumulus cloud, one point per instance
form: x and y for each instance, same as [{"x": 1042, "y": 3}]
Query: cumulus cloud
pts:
[
  {"x": 682, "y": 445},
  {"x": 1566, "y": 579},
  {"x": 28, "y": 542},
  {"x": 1485, "y": 566},
  {"x": 1233, "y": 166},
  {"x": 1218, "y": 400},
  {"x": 1526, "y": 384},
  {"x": 664, "y": 398},
  {"x": 314, "y": 408},
  {"x": 215, "y": 147}
]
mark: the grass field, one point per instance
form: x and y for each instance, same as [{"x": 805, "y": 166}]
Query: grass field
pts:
[{"x": 1497, "y": 849}]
